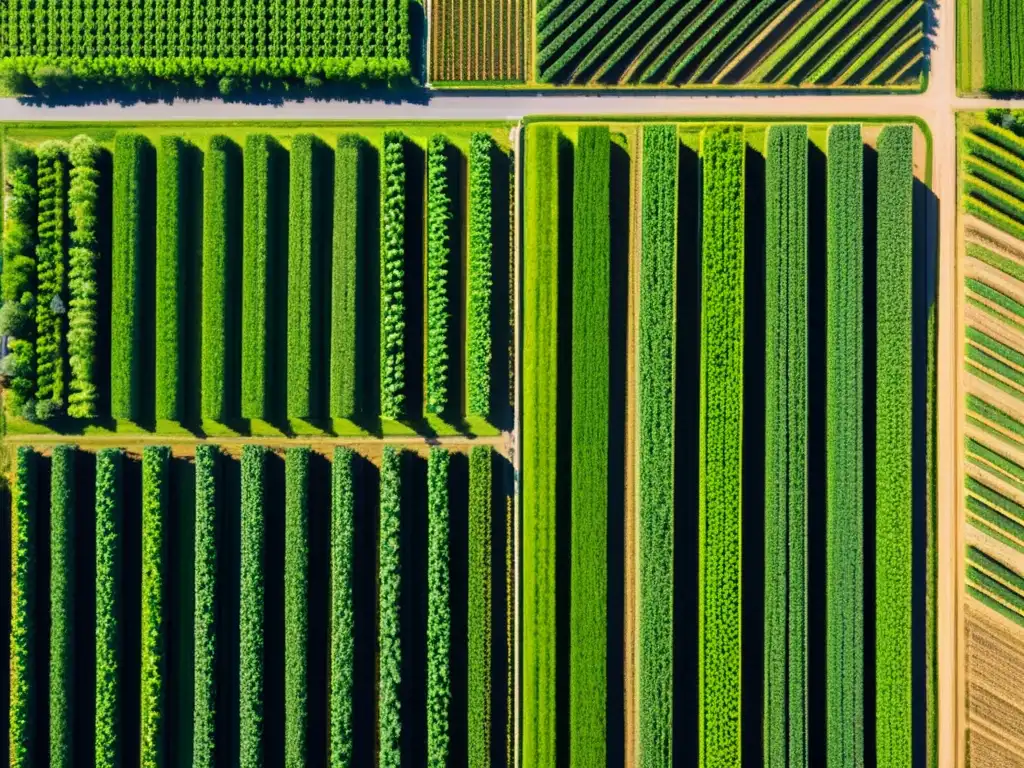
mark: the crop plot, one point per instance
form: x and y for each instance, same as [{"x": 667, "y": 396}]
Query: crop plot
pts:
[
  {"x": 482, "y": 42},
  {"x": 47, "y": 45},
  {"x": 247, "y": 282},
  {"x": 991, "y": 431},
  {"x": 745, "y": 458},
  {"x": 990, "y": 46},
  {"x": 263, "y": 587}
]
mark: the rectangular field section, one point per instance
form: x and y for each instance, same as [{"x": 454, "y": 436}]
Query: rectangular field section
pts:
[{"x": 479, "y": 41}]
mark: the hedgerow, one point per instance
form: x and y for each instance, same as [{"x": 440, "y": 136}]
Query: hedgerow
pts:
[
  {"x": 18, "y": 278},
  {"x": 392, "y": 278},
  {"x": 894, "y": 448},
  {"x": 256, "y": 250},
  {"x": 296, "y": 604},
  {"x": 844, "y": 446},
  {"x": 251, "y": 607},
  {"x": 479, "y": 658},
  {"x": 108, "y": 745},
  {"x": 156, "y": 462},
  {"x": 342, "y": 613},
  {"x": 216, "y": 247},
  {"x": 164, "y": 41},
  {"x": 439, "y": 317},
  {"x": 539, "y": 431},
  {"x": 205, "y": 656},
  {"x": 83, "y": 203},
  {"x": 478, "y": 314},
  {"x": 349, "y": 236},
  {"x": 300, "y": 277},
  {"x": 51, "y": 280},
  {"x": 439, "y": 687},
  {"x": 170, "y": 293},
  {"x": 23, "y": 725},
  {"x": 62, "y": 605},
  {"x": 721, "y": 438},
  {"x": 588, "y": 604},
  {"x": 388, "y": 631},
  {"x": 126, "y": 280},
  {"x": 785, "y": 482},
  {"x": 657, "y": 437}
]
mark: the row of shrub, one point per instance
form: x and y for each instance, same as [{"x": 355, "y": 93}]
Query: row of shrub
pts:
[
  {"x": 63, "y": 599},
  {"x": 540, "y": 450},
  {"x": 844, "y": 446},
  {"x": 251, "y": 627},
  {"x": 155, "y": 502},
  {"x": 109, "y": 748},
  {"x": 207, "y": 596},
  {"x": 171, "y": 219},
  {"x": 343, "y": 510},
  {"x": 479, "y": 652},
  {"x": 392, "y": 278},
  {"x": 894, "y": 438},
  {"x": 389, "y": 642},
  {"x": 217, "y": 251},
  {"x": 440, "y": 214},
  {"x": 300, "y": 276},
  {"x": 591, "y": 291},
  {"x": 350, "y": 236},
  {"x": 25, "y": 741},
  {"x": 439, "y": 619},
  {"x": 481, "y": 248},
  {"x": 723, "y": 151},
  {"x": 656, "y": 446},
  {"x": 49, "y": 278},
  {"x": 786, "y": 441},
  {"x": 296, "y": 605}
]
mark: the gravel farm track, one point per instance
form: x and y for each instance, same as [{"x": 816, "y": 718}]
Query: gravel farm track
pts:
[{"x": 936, "y": 107}]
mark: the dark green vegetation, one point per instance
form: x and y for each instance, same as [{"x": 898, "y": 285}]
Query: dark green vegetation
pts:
[
  {"x": 249, "y": 283},
  {"x": 657, "y": 437},
  {"x": 995, "y": 585},
  {"x": 236, "y": 615},
  {"x": 786, "y": 454},
  {"x": 730, "y": 42},
  {"x": 98, "y": 42},
  {"x": 845, "y": 443},
  {"x": 766, "y": 476}
]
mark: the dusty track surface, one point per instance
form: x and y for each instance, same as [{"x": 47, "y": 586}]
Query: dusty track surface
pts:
[{"x": 936, "y": 107}]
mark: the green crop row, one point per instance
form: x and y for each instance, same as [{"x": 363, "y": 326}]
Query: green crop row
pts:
[
  {"x": 51, "y": 280},
  {"x": 156, "y": 461},
  {"x": 18, "y": 278},
  {"x": 539, "y": 429},
  {"x": 894, "y": 447},
  {"x": 206, "y": 659},
  {"x": 257, "y": 240},
  {"x": 170, "y": 279},
  {"x": 1003, "y": 37},
  {"x": 656, "y": 447},
  {"x": 109, "y": 748},
  {"x": 83, "y": 203},
  {"x": 216, "y": 252},
  {"x": 479, "y": 656},
  {"x": 22, "y": 729},
  {"x": 844, "y": 446},
  {"x": 296, "y": 605},
  {"x": 389, "y": 644},
  {"x": 62, "y": 606},
  {"x": 350, "y": 179},
  {"x": 392, "y": 278},
  {"x": 439, "y": 687},
  {"x": 126, "y": 356},
  {"x": 251, "y": 607},
  {"x": 342, "y": 613},
  {"x": 588, "y": 603},
  {"x": 785, "y": 481},
  {"x": 721, "y": 439},
  {"x": 300, "y": 276},
  {"x": 440, "y": 213},
  {"x": 481, "y": 247}
]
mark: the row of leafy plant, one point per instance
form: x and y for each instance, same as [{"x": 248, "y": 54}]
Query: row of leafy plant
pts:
[
  {"x": 656, "y": 445},
  {"x": 1003, "y": 45}
]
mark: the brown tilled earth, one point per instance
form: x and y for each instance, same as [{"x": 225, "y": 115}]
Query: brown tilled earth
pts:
[{"x": 994, "y": 664}]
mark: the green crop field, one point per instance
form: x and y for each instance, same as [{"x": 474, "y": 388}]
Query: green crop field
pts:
[
  {"x": 233, "y": 44},
  {"x": 990, "y": 46},
  {"x": 263, "y": 282},
  {"x": 770, "y": 271},
  {"x": 265, "y": 563},
  {"x": 774, "y": 44}
]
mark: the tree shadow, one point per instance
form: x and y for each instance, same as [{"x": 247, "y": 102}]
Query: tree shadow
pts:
[
  {"x": 273, "y": 616},
  {"x": 180, "y": 630},
  {"x": 413, "y": 609},
  {"x": 686, "y": 565},
  {"x": 364, "y": 604},
  {"x": 319, "y": 648},
  {"x": 228, "y": 490},
  {"x": 502, "y": 290},
  {"x": 458, "y": 505},
  {"x": 368, "y": 295},
  {"x": 84, "y": 581},
  {"x": 129, "y": 597}
]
